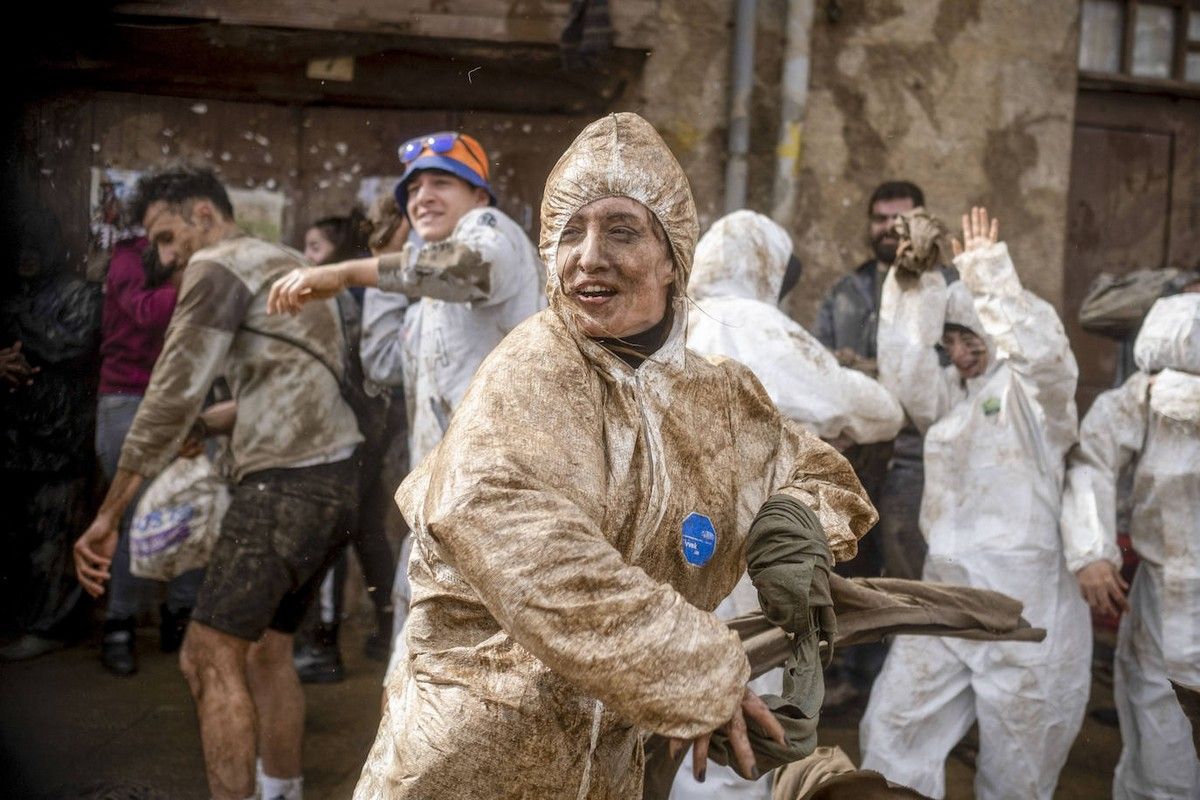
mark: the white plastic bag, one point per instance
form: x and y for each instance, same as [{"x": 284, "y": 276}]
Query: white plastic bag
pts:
[{"x": 177, "y": 520}]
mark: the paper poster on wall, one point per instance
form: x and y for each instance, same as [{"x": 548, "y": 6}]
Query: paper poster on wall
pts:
[
  {"x": 108, "y": 214},
  {"x": 110, "y": 191},
  {"x": 259, "y": 212}
]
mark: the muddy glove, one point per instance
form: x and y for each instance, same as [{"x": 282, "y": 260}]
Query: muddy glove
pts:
[
  {"x": 788, "y": 559},
  {"x": 924, "y": 243}
]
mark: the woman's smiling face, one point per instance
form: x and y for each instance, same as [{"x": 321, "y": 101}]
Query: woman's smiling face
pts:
[{"x": 615, "y": 267}]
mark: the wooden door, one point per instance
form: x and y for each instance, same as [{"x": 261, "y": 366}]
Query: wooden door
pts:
[{"x": 1134, "y": 203}]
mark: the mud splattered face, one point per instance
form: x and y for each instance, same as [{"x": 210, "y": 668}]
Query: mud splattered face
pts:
[
  {"x": 437, "y": 200},
  {"x": 317, "y": 247},
  {"x": 883, "y": 214},
  {"x": 615, "y": 267},
  {"x": 967, "y": 352},
  {"x": 174, "y": 233}
]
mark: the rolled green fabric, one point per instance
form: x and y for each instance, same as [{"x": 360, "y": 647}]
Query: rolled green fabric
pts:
[{"x": 789, "y": 560}]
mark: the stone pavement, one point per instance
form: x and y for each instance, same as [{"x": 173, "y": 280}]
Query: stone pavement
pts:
[{"x": 69, "y": 730}]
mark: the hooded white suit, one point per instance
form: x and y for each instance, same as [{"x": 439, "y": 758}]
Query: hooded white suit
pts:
[
  {"x": 994, "y": 462},
  {"x": 740, "y": 265},
  {"x": 1153, "y": 422}
]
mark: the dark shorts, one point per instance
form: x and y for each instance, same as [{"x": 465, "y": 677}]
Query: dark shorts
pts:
[{"x": 282, "y": 529}]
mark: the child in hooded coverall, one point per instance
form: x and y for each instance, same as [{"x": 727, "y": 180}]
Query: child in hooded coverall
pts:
[
  {"x": 1000, "y": 422},
  {"x": 1151, "y": 422}
]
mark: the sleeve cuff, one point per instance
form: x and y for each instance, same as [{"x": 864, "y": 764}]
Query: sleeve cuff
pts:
[{"x": 391, "y": 271}]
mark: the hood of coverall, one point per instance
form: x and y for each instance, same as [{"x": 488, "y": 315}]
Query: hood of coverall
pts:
[
  {"x": 743, "y": 254},
  {"x": 620, "y": 155},
  {"x": 960, "y": 310},
  {"x": 1170, "y": 336}
]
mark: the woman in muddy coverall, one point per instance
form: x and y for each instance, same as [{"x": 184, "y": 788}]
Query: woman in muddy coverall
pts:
[
  {"x": 999, "y": 422},
  {"x": 589, "y": 506}
]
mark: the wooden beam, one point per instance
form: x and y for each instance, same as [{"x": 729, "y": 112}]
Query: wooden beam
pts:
[{"x": 490, "y": 20}]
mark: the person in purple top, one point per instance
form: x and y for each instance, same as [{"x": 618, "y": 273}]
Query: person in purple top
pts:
[{"x": 139, "y": 298}]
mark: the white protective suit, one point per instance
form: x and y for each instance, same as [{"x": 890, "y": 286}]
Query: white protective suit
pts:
[
  {"x": 474, "y": 287},
  {"x": 994, "y": 463},
  {"x": 575, "y": 528},
  {"x": 739, "y": 268},
  {"x": 740, "y": 265},
  {"x": 1153, "y": 422}
]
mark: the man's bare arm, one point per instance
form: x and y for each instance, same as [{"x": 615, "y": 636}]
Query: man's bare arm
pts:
[{"x": 94, "y": 549}]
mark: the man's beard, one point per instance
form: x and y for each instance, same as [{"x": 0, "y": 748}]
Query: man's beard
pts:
[{"x": 885, "y": 252}]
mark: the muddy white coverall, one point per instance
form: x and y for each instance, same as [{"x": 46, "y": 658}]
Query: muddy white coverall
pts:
[
  {"x": 1153, "y": 422},
  {"x": 740, "y": 265},
  {"x": 739, "y": 268},
  {"x": 474, "y": 287},
  {"x": 575, "y": 528},
  {"x": 994, "y": 463}
]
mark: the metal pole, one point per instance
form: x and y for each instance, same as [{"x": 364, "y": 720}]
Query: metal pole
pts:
[
  {"x": 741, "y": 85},
  {"x": 793, "y": 98}
]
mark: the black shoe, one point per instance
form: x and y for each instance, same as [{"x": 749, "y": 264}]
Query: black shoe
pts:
[
  {"x": 319, "y": 661},
  {"x": 31, "y": 645},
  {"x": 171, "y": 627},
  {"x": 116, "y": 649}
]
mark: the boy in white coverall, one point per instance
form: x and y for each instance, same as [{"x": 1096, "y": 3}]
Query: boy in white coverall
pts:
[
  {"x": 1152, "y": 421},
  {"x": 476, "y": 274},
  {"x": 999, "y": 423},
  {"x": 742, "y": 271}
]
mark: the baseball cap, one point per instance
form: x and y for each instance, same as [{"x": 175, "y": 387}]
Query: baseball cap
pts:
[{"x": 457, "y": 153}]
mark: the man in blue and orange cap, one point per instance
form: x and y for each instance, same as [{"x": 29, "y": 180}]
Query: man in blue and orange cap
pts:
[{"x": 474, "y": 270}]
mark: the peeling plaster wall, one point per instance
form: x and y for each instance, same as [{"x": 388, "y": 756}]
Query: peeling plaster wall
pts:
[{"x": 971, "y": 99}]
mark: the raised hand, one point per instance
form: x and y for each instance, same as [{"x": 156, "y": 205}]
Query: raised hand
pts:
[{"x": 977, "y": 231}]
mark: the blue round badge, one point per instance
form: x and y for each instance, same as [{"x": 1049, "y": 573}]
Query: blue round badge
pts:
[{"x": 699, "y": 539}]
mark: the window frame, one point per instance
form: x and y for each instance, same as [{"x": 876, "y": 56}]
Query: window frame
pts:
[{"x": 1185, "y": 11}]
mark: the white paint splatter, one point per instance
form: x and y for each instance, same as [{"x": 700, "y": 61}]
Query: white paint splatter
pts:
[
  {"x": 200, "y": 108},
  {"x": 342, "y": 148}
]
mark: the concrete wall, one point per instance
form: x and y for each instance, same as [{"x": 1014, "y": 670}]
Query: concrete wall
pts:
[{"x": 971, "y": 99}]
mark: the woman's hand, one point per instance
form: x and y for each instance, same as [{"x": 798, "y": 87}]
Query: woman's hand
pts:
[
  {"x": 977, "y": 231},
  {"x": 752, "y": 708}
]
